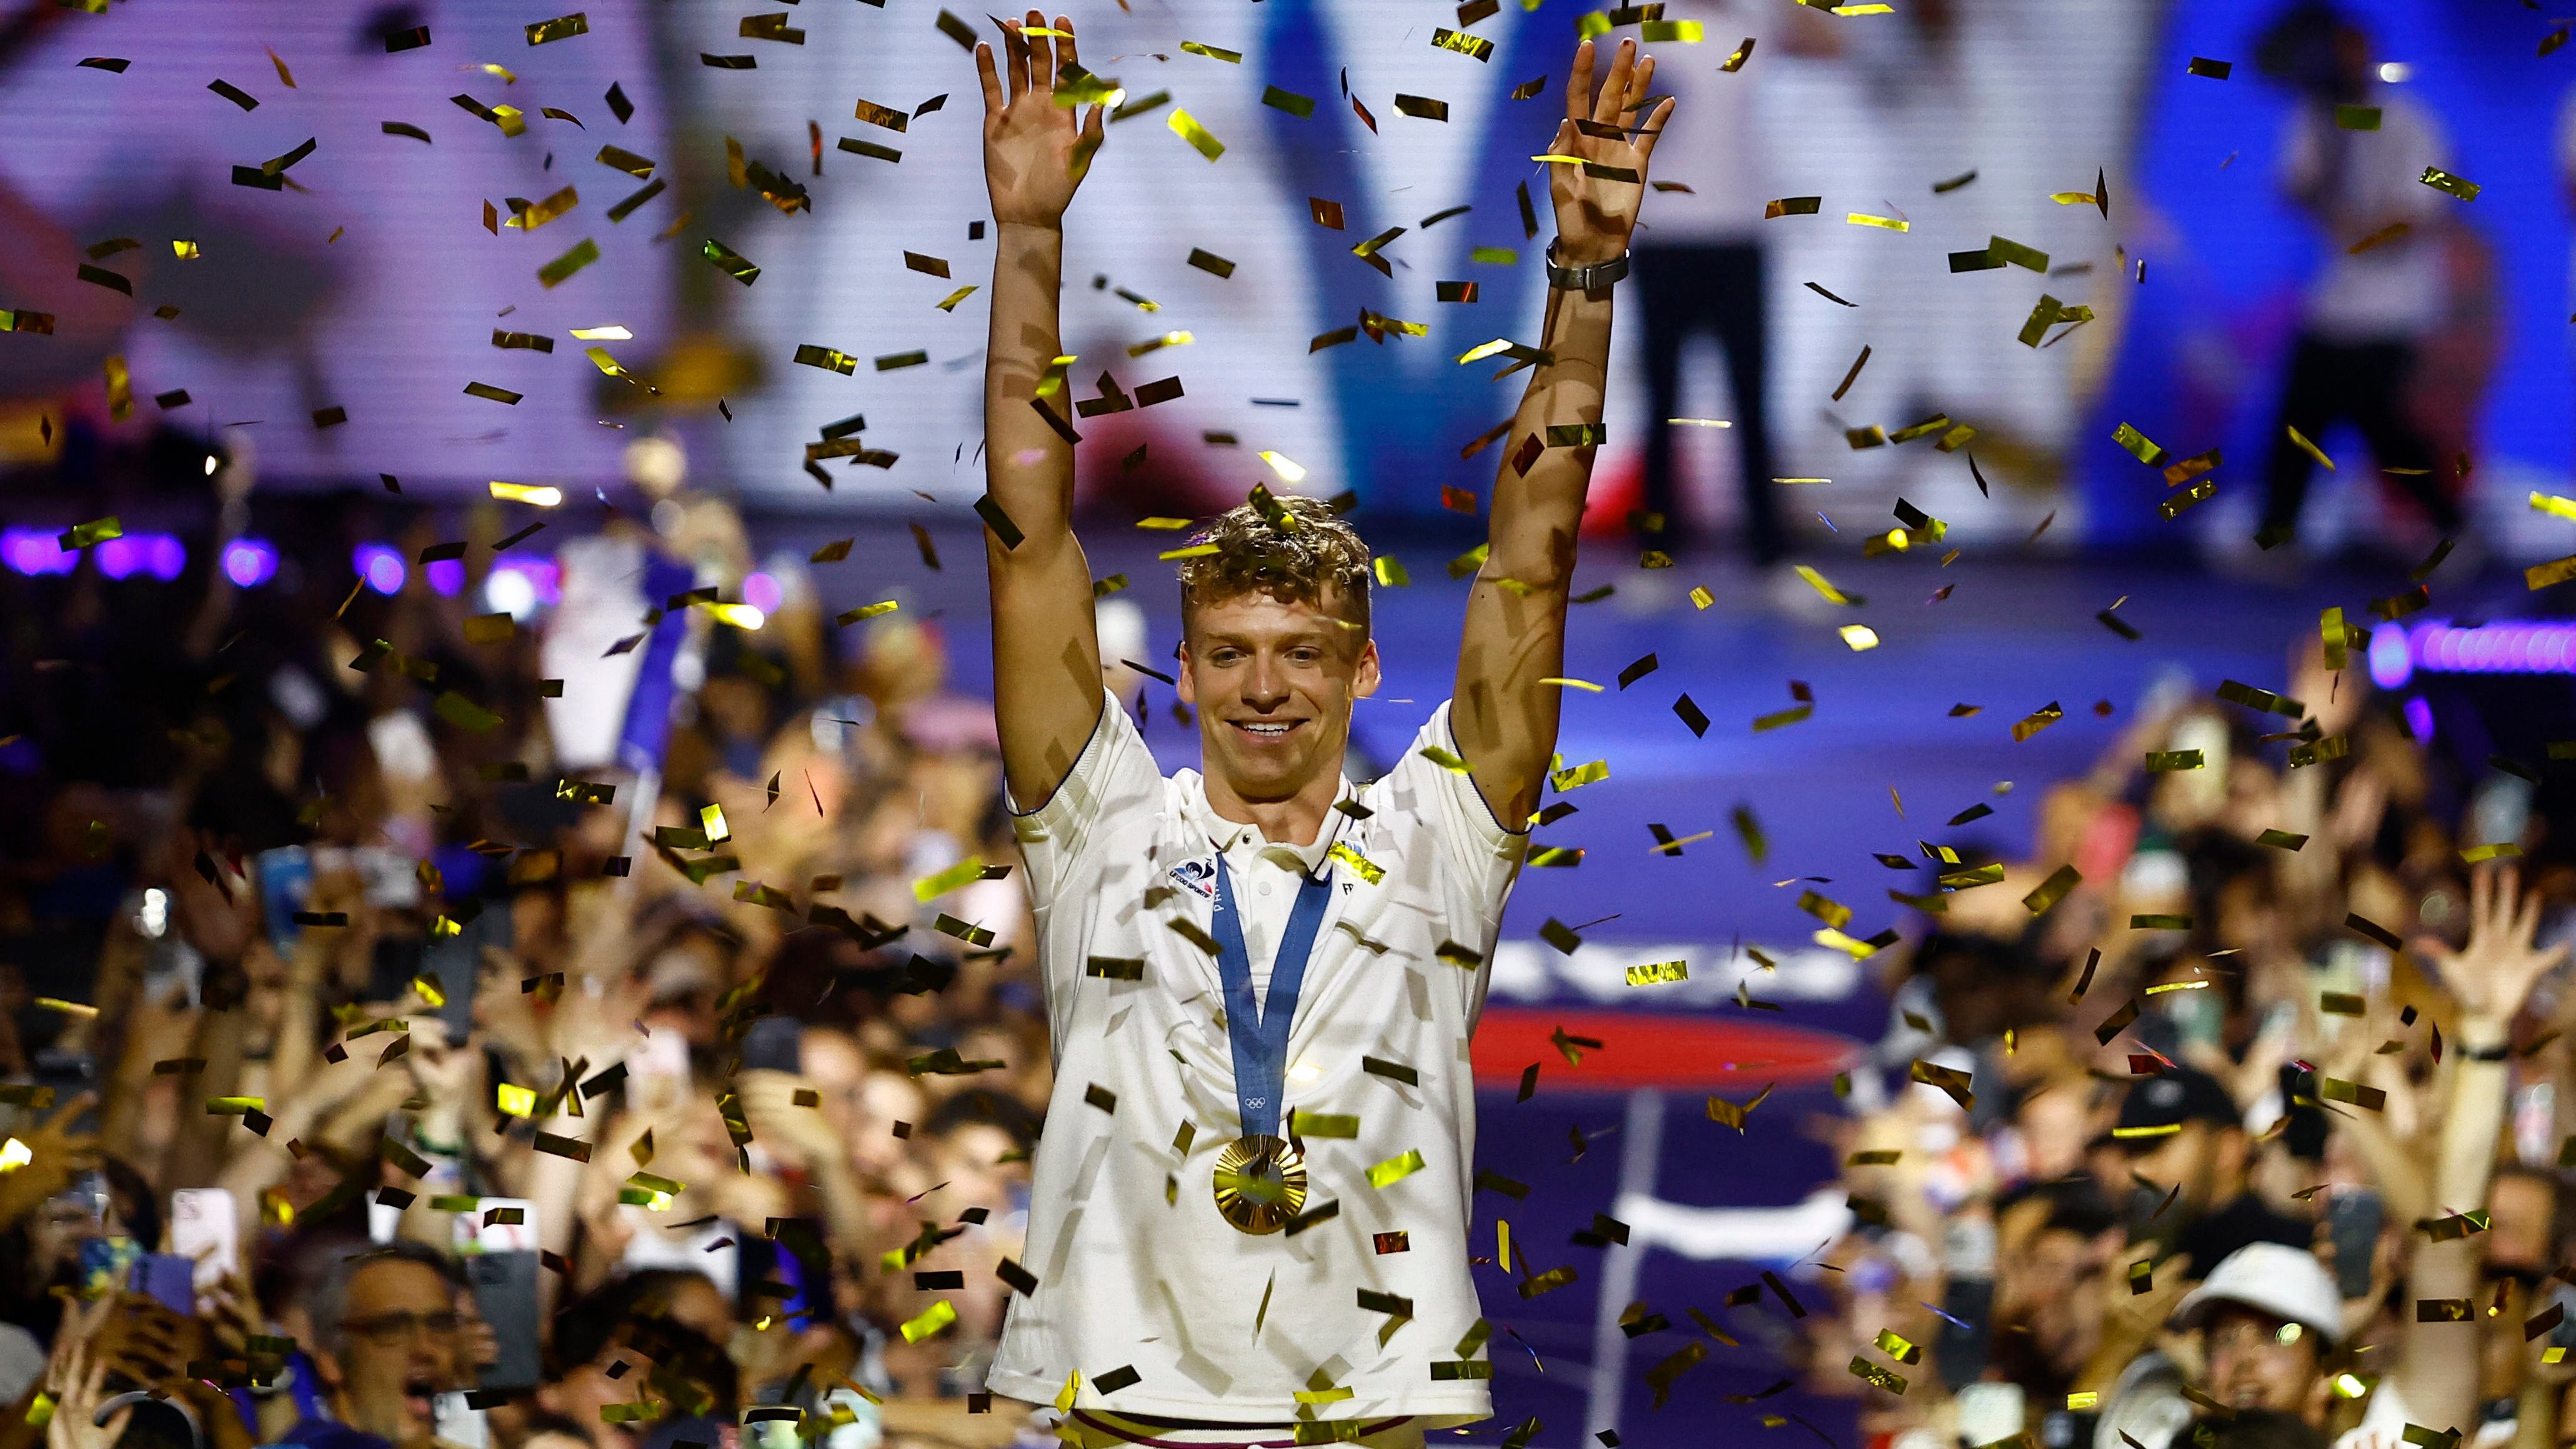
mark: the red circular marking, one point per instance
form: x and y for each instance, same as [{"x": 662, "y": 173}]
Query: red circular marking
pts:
[{"x": 1643, "y": 1050}]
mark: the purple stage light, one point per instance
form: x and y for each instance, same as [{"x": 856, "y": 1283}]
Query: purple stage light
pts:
[
  {"x": 2500, "y": 646},
  {"x": 249, "y": 562},
  {"x": 33, "y": 551},
  {"x": 381, "y": 567}
]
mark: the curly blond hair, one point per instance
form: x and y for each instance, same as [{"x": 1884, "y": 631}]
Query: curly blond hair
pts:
[{"x": 1316, "y": 559}]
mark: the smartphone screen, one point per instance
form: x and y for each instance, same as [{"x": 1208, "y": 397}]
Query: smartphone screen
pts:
[
  {"x": 505, "y": 1295},
  {"x": 168, "y": 1279},
  {"x": 205, "y": 1232},
  {"x": 2354, "y": 1216},
  {"x": 285, "y": 883}
]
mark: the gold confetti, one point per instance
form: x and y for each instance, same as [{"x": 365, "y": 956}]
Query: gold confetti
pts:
[
  {"x": 1885, "y": 223},
  {"x": 728, "y": 261},
  {"x": 2140, "y": 446},
  {"x": 2052, "y": 890},
  {"x": 2444, "y": 181},
  {"x": 2038, "y": 719},
  {"x": 1461, "y": 42},
  {"x": 1820, "y": 584},
  {"x": 554, "y": 273},
  {"x": 82, "y": 535},
  {"x": 562, "y": 27},
  {"x": 2300, "y": 440},
  {"x": 1657, "y": 973},
  {"x": 1323, "y": 1124},
  {"x": 932, "y": 1319},
  {"x": 964, "y": 872},
  {"x": 1187, "y": 127},
  {"x": 1874, "y": 1375}
]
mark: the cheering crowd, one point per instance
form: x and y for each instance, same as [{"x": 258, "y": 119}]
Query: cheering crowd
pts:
[
  {"x": 2252, "y": 1136},
  {"x": 376, "y": 1079},
  {"x": 456, "y": 1104}
]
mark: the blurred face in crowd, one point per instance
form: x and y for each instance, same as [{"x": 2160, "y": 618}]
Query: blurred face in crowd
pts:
[
  {"x": 2257, "y": 1361},
  {"x": 2052, "y": 1288},
  {"x": 970, "y": 1158},
  {"x": 2201, "y": 1159},
  {"x": 700, "y": 1305},
  {"x": 2052, "y": 1127},
  {"x": 1274, "y": 684},
  {"x": 2522, "y": 1209},
  {"x": 398, "y": 1350},
  {"x": 836, "y": 1067},
  {"x": 625, "y": 1369}
]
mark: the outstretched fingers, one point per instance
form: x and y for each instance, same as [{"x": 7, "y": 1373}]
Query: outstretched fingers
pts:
[
  {"x": 1653, "y": 129},
  {"x": 1015, "y": 49},
  {"x": 1041, "y": 55},
  {"x": 994, "y": 101},
  {"x": 1613, "y": 96},
  {"x": 1640, "y": 86},
  {"x": 1578, "y": 84},
  {"x": 1067, "y": 57}
]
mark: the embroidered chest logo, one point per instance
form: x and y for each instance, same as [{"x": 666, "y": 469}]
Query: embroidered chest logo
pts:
[{"x": 1199, "y": 876}]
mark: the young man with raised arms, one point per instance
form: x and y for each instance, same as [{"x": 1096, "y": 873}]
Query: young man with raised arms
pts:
[{"x": 1252, "y": 1198}]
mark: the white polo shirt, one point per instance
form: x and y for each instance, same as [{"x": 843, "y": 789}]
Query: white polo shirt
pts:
[{"x": 1135, "y": 1268}]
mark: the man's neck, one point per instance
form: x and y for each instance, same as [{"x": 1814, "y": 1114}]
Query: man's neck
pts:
[{"x": 1295, "y": 820}]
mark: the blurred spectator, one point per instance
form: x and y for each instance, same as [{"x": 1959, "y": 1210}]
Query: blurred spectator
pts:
[
  {"x": 386, "y": 1334},
  {"x": 2354, "y": 160},
  {"x": 1700, "y": 269},
  {"x": 2186, "y": 1159}
]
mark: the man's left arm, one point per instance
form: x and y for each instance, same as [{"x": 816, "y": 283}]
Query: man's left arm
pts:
[{"x": 1503, "y": 717}]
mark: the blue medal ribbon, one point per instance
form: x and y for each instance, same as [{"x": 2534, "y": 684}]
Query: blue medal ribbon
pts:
[{"x": 1259, "y": 1029}]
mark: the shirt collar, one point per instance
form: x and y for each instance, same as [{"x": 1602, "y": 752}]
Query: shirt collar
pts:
[{"x": 1234, "y": 836}]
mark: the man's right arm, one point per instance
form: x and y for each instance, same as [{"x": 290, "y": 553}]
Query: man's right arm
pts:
[
  {"x": 1046, "y": 655},
  {"x": 2490, "y": 977}
]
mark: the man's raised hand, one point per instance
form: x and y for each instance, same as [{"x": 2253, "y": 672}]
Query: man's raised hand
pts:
[
  {"x": 2494, "y": 970},
  {"x": 1035, "y": 151},
  {"x": 1595, "y": 214}
]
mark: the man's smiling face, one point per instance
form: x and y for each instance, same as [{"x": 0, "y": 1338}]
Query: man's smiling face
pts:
[{"x": 1274, "y": 683}]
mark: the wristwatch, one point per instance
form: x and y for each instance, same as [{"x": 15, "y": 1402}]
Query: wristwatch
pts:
[{"x": 1594, "y": 278}]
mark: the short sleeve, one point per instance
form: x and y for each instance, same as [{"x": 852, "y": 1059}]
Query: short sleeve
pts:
[
  {"x": 1113, "y": 778},
  {"x": 1431, "y": 784}
]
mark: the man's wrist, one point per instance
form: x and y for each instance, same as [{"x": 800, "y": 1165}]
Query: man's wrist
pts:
[
  {"x": 2486, "y": 1040},
  {"x": 1588, "y": 253},
  {"x": 1054, "y": 229}
]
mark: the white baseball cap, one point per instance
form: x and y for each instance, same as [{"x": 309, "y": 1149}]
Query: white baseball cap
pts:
[{"x": 2275, "y": 1278}]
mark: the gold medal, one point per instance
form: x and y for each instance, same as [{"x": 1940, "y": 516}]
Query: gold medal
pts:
[{"x": 1260, "y": 1183}]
